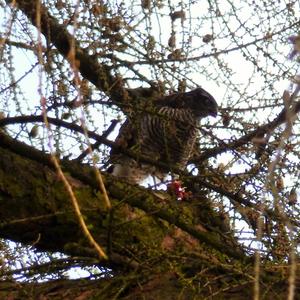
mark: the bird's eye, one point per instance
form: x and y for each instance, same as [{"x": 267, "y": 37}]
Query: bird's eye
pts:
[{"x": 206, "y": 101}]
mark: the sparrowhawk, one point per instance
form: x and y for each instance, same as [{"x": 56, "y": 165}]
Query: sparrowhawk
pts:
[{"x": 166, "y": 132}]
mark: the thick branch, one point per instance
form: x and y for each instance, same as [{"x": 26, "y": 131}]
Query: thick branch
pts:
[
  {"x": 98, "y": 74},
  {"x": 38, "y": 156},
  {"x": 41, "y": 201}
]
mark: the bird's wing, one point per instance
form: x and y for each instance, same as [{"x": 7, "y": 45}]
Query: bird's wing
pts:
[{"x": 127, "y": 137}]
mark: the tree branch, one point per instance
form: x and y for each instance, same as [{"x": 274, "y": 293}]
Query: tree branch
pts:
[
  {"x": 259, "y": 131},
  {"x": 52, "y": 197},
  {"x": 98, "y": 74}
]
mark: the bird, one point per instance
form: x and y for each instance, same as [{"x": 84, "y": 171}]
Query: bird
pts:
[{"x": 166, "y": 132}]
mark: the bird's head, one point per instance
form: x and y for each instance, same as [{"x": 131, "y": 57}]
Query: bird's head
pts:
[{"x": 201, "y": 103}]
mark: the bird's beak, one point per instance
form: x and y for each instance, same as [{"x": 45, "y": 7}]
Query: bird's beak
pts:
[{"x": 213, "y": 113}]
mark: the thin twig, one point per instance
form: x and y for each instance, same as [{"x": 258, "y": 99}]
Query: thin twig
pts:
[
  {"x": 55, "y": 161},
  {"x": 98, "y": 143}
]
